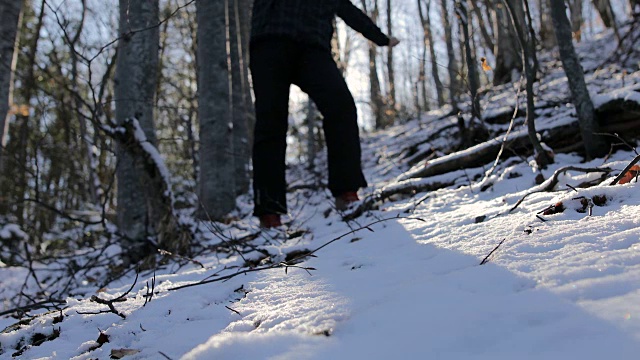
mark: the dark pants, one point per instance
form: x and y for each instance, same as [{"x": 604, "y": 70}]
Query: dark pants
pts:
[{"x": 276, "y": 63}]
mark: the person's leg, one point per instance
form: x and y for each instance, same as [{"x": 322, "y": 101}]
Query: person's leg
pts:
[
  {"x": 320, "y": 78},
  {"x": 271, "y": 70}
]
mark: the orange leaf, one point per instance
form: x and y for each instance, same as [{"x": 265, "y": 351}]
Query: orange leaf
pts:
[
  {"x": 485, "y": 66},
  {"x": 630, "y": 174},
  {"x": 554, "y": 209}
]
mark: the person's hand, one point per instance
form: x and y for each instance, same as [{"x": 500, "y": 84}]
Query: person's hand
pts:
[{"x": 393, "y": 42}]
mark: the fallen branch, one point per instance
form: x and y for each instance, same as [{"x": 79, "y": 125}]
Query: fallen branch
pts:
[
  {"x": 550, "y": 183},
  {"x": 289, "y": 263},
  {"x": 409, "y": 187},
  {"x": 110, "y": 302},
  {"x": 34, "y": 306}
]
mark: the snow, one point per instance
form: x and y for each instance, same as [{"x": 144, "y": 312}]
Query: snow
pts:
[
  {"x": 561, "y": 289},
  {"x": 9, "y": 231},
  {"x": 402, "y": 281}
]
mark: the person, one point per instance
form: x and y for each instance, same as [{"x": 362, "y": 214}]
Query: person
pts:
[{"x": 291, "y": 44}]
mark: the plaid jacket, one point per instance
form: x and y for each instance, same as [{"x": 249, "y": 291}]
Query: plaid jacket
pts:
[{"x": 310, "y": 20}]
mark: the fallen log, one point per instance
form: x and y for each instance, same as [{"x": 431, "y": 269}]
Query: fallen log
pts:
[{"x": 618, "y": 112}]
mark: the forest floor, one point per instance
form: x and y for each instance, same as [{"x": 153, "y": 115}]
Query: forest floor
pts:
[{"x": 403, "y": 280}]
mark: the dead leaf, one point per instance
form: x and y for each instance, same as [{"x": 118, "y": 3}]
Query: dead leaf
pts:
[
  {"x": 554, "y": 209},
  {"x": 120, "y": 353},
  {"x": 22, "y": 110},
  {"x": 485, "y": 66},
  {"x": 630, "y": 174}
]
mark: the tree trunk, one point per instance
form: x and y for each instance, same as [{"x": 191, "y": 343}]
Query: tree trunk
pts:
[
  {"x": 312, "y": 140},
  {"x": 594, "y": 145},
  {"x": 516, "y": 14},
  {"x": 547, "y": 38},
  {"x": 508, "y": 61},
  {"x": 461, "y": 11},
  {"x": 377, "y": 101},
  {"x": 135, "y": 90},
  {"x": 10, "y": 14},
  {"x": 25, "y": 92},
  {"x": 425, "y": 19},
  {"x": 391, "y": 78},
  {"x": 575, "y": 8},
  {"x": 241, "y": 143},
  {"x": 452, "y": 66},
  {"x": 606, "y": 13},
  {"x": 244, "y": 10},
  {"x": 216, "y": 183},
  {"x": 484, "y": 29}
]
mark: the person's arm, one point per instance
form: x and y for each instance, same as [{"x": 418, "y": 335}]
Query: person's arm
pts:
[{"x": 361, "y": 23}]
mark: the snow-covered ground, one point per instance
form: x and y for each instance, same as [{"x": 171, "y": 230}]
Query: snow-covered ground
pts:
[{"x": 404, "y": 281}]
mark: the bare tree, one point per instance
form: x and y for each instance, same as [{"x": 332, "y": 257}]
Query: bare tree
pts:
[
  {"x": 606, "y": 12},
  {"x": 575, "y": 8},
  {"x": 425, "y": 19},
  {"x": 594, "y": 145},
  {"x": 23, "y": 119},
  {"x": 135, "y": 88},
  {"x": 10, "y": 14},
  {"x": 547, "y": 38},
  {"x": 508, "y": 60},
  {"x": 461, "y": 11},
  {"x": 377, "y": 101},
  {"x": 516, "y": 13},
  {"x": 216, "y": 185},
  {"x": 241, "y": 144},
  {"x": 391, "y": 78},
  {"x": 452, "y": 65}
]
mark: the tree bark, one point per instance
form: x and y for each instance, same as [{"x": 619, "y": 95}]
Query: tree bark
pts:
[
  {"x": 461, "y": 11},
  {"x": 375, "y": 92},
  {"x": 594, "y": 145},
  {"x": 10, "y": 15},
  {"x": 575, "y": 9},
  {"x": 484, "y": 28},
  {"x": 135, "y": 90},
  {"x": 516, "y": 13},
  {"x": 425, "y": 19},
  {"x": 26, "y": 92},
  {"x": 241, "y": 143},
  {"x": 547, "y": 38},
  {"x": 216, "y": 185},
  {"x": 508, "y": 61},
  {"x": 452, "y": 66},
  {"x": 391, "y": 78},
  {"x": 605, "y": 11}
]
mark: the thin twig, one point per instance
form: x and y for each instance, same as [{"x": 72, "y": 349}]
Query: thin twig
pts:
[
  {"x": 624, "y": 171},
  {"x": 486, "y": 258}
]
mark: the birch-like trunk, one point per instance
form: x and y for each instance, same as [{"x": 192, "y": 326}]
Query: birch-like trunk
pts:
[
  {"x": 135, "y": 90},
  {"x": 216, "y": 185},
  {"x": 10, "y": 14},
  {"x": 594, "y": 145}
]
